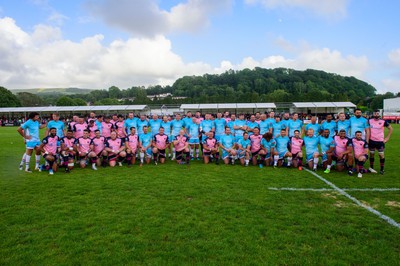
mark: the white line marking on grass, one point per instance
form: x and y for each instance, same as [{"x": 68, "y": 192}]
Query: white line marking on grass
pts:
[
  {"x": 356, "y": 201},
  {"x": 331, "y": 189}
]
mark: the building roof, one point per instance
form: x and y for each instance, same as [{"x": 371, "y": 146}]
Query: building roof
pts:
[{"x": 73, "y": 108}]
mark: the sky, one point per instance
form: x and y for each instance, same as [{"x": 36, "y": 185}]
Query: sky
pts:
[{"x": 103, "y": 43}]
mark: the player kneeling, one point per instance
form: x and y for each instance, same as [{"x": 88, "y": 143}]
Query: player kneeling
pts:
[
  {"x": 145, "y": 142},
  {"x": 244, "y": 146},
  {"x": 115, "y": 148},
  {"x": 312, "y": 153},
  {"x": 268, "y": 144},
  {"x": 343, "y": 152},
  {"x": 227, "y": 145},
  {"x": 97, "y": 146},
  {"x": 49, "y": 150},
  {"x": 210, "y": 147},
  {"x": 67, "y": 151},
  {"x": 360, "y": 147},
  {"x": 181, "y": 145},
  {"x": 282, "y": 152},
  {"x": 131, "y": 143},
  {"x": 82, "y": 146},
  {"x": 160, "y": 143},
  {"x": 256, "y": 150}
]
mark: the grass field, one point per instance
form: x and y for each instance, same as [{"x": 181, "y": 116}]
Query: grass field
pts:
[{"x": 197, "y": 214}]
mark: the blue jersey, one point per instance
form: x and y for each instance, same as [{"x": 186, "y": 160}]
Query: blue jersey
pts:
[
  {"x": 282, "y": 143},
  {"x": 59, "y": 125},
  {"x": 270, "y": 120},
  {"x": 187, "y": 122},
  {"x": 193, "y": 131},
  {"x": 227, "y": 141},
  {"x": 239, "y": 123},
  {"x": 99, "y": 126},
  {"x": 220, "y": 124},
  {"x": 155, "y": 126},
  {"x": 140, "y": 125},
  {"x": 252, "y": 125},
  {"x": 128, "y": 123},
  {"x": 271, "y": 144},
  {"x": 31, "y": 128},
  {"x": 326, "y": 143},
  {"x": 145, "y": 139},
  {"x": 344, "y": 125},
  {"x": 358, "y": 124},
  {"x": 311, "y": 144},
  {"x": 231, "y": 124},
  {"x": 285, "y": 122},
  {"x": 207, "y": 125},
  {"x": 264, "y": 126},
  {"x": 332, "y": 126},
  {"x": 294, "y": 125},
  {"x": 277, "y": 127},
  {"x": 177, "y": 125},
  {"x": 316, "y": 127},
  {"x": 244, "y": 143},
  {"x": 167, "y": 127}
]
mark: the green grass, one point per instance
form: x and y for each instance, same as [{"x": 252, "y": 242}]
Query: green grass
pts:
[{"x": 207, "y": 215}]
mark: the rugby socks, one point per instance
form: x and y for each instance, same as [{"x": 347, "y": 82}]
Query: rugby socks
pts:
[
  {"x": 155, "y": 155},
  {"x": 141, "y": 157},
  {"x": 360, "y": 166},
  {"x": 187, "y": 155},
  {"x": 173, "y": 153},
  {"x": 276, "y": 158},
  {"x": 315, "y": 162},
  {"x": 129, "y": 158},
  {"x": 300, "y": 161},
  {"x": 328, "y": 167},
  {"x": 197, "y": 153},
  {"x": 27, "y": 161},
  {"x": 23, "y": 159},
  {"x": 382, "y": 162},
  {"x": 191, "y": 152},
  {"x": 37, "y": 157},
  {"x": 247, "y": 161},
  {"x": 94, "y": 159},
  {"x": 371, "y": 160},
  {"x": 289, "y": 161}
]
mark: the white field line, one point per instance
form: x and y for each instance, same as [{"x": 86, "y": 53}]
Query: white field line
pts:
[
  {"x": 331, "y": 189},
  {"x": 356, "y": 201}
]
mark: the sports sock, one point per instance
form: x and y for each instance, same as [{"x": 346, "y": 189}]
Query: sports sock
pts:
[
  {"x": 197, "y": 153},
  {"x": 191, "y": 152},
  {"x": 328, "y": 167},
  {"x": 187, "y": 155},
  {"x": 276, "y": 158},
  {"x": 289, "y": 161},
  {"x": 382, "y": 163},
  {"x": 37, "y": 157},
  {"x": 360, "y": 166},
  {"x": 371, "y": 161},
  {"x": 27, "y": 161},
  {"x": 315, "y": 163},
  {"x": 141, "y": 157},
  {"x": 23, "y": 159},
  {"x": 300, "y": 161}
]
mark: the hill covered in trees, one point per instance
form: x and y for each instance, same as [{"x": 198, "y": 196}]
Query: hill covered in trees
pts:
[{"x": 257, "y": 85}]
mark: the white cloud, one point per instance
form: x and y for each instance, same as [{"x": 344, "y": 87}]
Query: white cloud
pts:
[
  {"x": 394, "y": 57},
  {"x": 44, "y": 59},
  {"x": 326, "y": 8},
  {"x": 392, "y": 85},
  {"x": 145, "y": 18}
]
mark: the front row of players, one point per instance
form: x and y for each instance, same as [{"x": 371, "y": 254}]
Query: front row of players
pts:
[{"x": 259, "y": 149}]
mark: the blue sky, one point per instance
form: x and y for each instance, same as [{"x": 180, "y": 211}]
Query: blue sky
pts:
[{"x": 97, "y": 44}]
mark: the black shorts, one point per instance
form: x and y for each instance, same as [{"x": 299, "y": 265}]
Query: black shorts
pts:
[
  {"x": 376, "y": 145},
  {"x": 161, "y": 153},
  {"x": 253, "y": 154},
  {"x": 178, "y": 155}
]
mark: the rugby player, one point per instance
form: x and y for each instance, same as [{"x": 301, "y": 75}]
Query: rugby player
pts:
[
  {"x": 329, "y": 124},
  {"x": 160, "y": 143},
  {"x": 210, "y": 148},
  {"x": 314, "y": 125},
  {"x": 256, "y": 150},
  {"x": 343, "y": 152},
  {"x": 120, "y": 127},
  {"x": 67, "y": 150},
  {"x": 97, "y": 146},
  {"x": 296, "y": 145},
  {"x": 82, "y": 147},
  {"x": 49, "y": 149},
  {"x": 312, "y": 153},
  {"x": 227, "y": 144},
  {"x": 282, "y": 144},
  {"x": 155, "y": 124},
  {"x": 166, "y": 123},
  {"x": 360, "y": 147},
  {"x": 115, "y": 148},
  {"x": 359, "y": 123},
  {"x": 145, "y": 143},
  {"x": 244, "y": 149},
  {"x": 327, "y": 146},
  {"x": 220, "y": 124},
  {"x": 295, "y": 123},
  {"x": 181, "y": 145},
  {"x": 106, "y": 127},
  {"x": 268, "y": 144},
  {"x": 193, "y": 131},
  {"x": 132, "y": 144},
  {"x": 177, "y": 125},
  {"x": 79, "y": 127}
]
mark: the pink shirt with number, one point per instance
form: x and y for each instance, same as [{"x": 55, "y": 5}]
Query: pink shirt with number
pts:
[
  {"x": 132, "y": 141},
  {"x": 255, "y": 142},
  {"x": 119, "y": 126},
  {"x": 296, "y": 145},
  {"x": 341, "y": 145},
  {"x": 83, "y": 144},
  {"x": 78, "y": 130},
  {"x": 98, "y": 144},
  {"x": 114, "y": 144},
  {"x": 378, "y": 129},
  {"x": 50, "y": 144},
  {"x": 161, "y": 141}
]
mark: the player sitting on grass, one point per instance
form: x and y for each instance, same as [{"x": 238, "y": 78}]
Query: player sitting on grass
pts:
[
  {"x": 181, "y": 145},
  {"x": 115, "y": 148},
  {"x": 97, "y": 146},
  {"x": 210, "y": 147},
  {"x": 49, "y": 150}
]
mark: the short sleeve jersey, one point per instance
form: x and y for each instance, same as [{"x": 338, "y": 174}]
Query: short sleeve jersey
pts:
[
  {"x": 255, "y": 142},
  {"x": 326, "y": 143},
  {"x": 145, "y": 139},
  {"x": 331, "y": 126},
  {"x": 155, "y": 126},
  {"x": 132, "y": 141},
  {"x": 359, "y": 147},
  {"x": 294, "y": 125},
  {"x": 167, "y": 127},
  {"x": 31, "y": 128},
  {"x": 311, "y": 144},
  {"x": 177, "y": 125},
  {"x": 378, "y": 129},
  {"x": 296, "y": 145},
  {"x": 220, "y": 124},
  {"x": 83, "y": 144},
  {"x": 269, "y": 145},
  {"x": 98, "y": 144},
  {"x": 181, "y": 142},
  {"x": 341, "y": 145},
  {"x": 358, "y": 124},
  {"x": 227, "y": 141},
  {"x": 50, "y": 144},
  {"x": 316, "y": 127},
  {"x": 59, "y": 125},
  {"x": 282, "y": 143},
  {"x": 161, "y": 141}
]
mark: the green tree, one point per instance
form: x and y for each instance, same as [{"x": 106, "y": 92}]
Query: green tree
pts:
[
  {"x": 8, "y": 99},
  {"x": 30, "y": 99},
  {"x": 66, "y": 101},
  {"x": 114, "y": 92},
  {"x": 80, "y": 102}
]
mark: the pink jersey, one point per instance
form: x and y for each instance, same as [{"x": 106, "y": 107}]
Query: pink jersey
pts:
[
  {"x": 71, "y": 125},
  {"x": 255, "y": 142},
  {"x": 50, "y": 144},
  {"x": 92, "y": 129},
  {"x": 377, "y": 129},
  {"x": 296, "y": 145},
  {"x": 119, "y": 127},
  {"x": 359, "y": 147},
  {"x": 78, "y": 130},
  {"x": 182, "y": 140},
  {"x": 341, "y": 145},
  {"x": 227, "y": 119},
  {"x": 161, "y": 141},
  {"x": 98, "y": 144},
  {"x": 209, "y": 143},
  {"x": 115, "y": 144},
  {"x": 68, "y": 143},
  {"x": 133, "y": 142},
  {"x": 83, "y": 145},
  {"x": 106, "y": 129}
]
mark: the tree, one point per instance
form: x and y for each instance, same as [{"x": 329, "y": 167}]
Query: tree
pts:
[
  {"x": 80, "y": 102},
  {"x": 29, "y": 99},
  {"x": 114, "y": 93},
  {"x": 8, "y": 99},
  {"x": 108, "y": 101},
  {"x": 66, "y": 101}
]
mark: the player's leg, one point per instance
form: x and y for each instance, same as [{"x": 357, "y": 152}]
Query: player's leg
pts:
[
  {"x": 381, "y": 153},
  {"x": 37, "y": 156},
  {"x": 93, "y": 159},
  {"x": 295, "y": 160},
  {"x": 148, "y": 155},
  {"x": 288, "y": 156},
  {"x": 121, "y": 157},
  {"x": 206, "y": 157},
  {"x": 162, "y": 155},
  {"x": 104, "y": 160},
  {"x": 82, "y": 160},
  {"x": 315, "y": 160},
  {"x": 360, "y": 165}
]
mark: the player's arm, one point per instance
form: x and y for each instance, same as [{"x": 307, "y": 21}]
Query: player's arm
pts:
[
  {"x": 390, "y": 128},
  {"x": 367, "y": 134},
  {"x": 222, "y": 147},
  {"x": 122, "y": 148},
  {"x": 43, "y": 125},
  {"x": 21, "y": 131}
]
